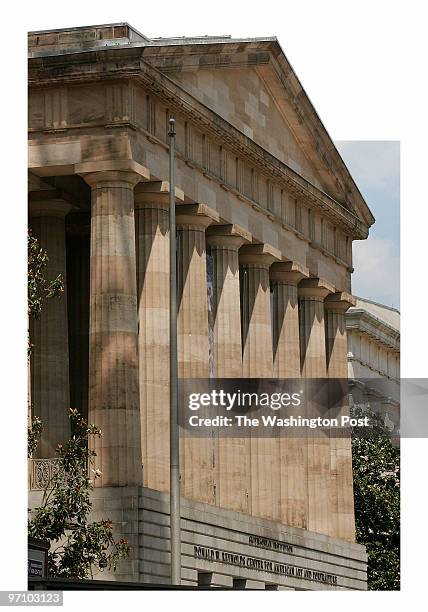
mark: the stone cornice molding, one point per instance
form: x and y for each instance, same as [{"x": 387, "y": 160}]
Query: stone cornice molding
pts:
[
  {"x": 361, "y": 321},
  {"x": 127, "y": 63}
]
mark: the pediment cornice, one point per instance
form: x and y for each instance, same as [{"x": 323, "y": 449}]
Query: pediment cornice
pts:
[{"x": 267, "y": 57}]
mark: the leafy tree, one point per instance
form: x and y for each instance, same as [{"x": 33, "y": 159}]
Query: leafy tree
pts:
[
  {"x": 39, "y": 288},
  {"x": 78, "y": 547},
  {"x": 35, "y": 429},
  {"x": 376, "y": 469}
]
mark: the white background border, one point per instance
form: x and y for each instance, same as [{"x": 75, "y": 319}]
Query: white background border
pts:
[{"x": 363, "y": 65}]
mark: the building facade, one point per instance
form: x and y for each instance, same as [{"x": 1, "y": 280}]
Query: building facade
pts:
[
  {"x": 373, "y": 332},
  {"x": 263, "y": 191}
]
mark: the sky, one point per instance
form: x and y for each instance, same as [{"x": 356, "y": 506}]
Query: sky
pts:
[{"x": 375, "y": 167}]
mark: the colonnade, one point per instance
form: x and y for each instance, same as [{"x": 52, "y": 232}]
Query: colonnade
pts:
[{"x": 269, "y": 319}]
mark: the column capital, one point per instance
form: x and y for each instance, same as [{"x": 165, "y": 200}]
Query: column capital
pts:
[
  {"x": 196, "y": 216},
  {"x": 263, "y": 255},
  {"x": 35, "y": 183},
  {"x": 127, "y": 170},
  {"x": 339, "y": 301},
  {"x": 110, "y": 178},
  {"x": 227, "y": 236},
  {"x": 155, "y": 193},
  {"x": 288, "y": 272},
  {"x": 315, "y": 288},
  {"x": 48, "y": 203}
]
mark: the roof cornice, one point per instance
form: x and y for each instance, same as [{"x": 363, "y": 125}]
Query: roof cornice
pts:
[{"x": 360, "y": 320}]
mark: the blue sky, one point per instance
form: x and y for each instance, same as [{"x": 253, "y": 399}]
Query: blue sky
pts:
[{"x": 375, "y": 167}]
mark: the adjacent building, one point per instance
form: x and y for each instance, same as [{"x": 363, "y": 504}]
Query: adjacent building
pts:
[
  {"x": 373, "y": 332},
  {"x": 261, "y": 189}
]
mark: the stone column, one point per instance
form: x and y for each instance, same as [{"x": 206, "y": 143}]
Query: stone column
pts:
[
  {"x": 341, "y": 491},
  {"x": 198, "y": 455},
  {"x": 224, "y": 242},
  {"x": 285, "y": 277},
  {"x": 257, "y": 362},
  {"x": 255, "y": 261},
  {"x": 113, "y": 363},
  {"x": 49, "y": 333},
  {"x": 312, "y": 292},
  {"x": 152, "y": 240}
]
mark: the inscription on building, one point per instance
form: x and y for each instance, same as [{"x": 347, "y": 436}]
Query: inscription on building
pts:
[
  {"x": 270, "y": 544},
  {"x": 262, "y": 565}
]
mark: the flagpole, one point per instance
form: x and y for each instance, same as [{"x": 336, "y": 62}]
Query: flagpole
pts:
[{"x": 173, "y": 421}]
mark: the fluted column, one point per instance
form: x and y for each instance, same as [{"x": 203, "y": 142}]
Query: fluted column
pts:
[
  {"x": 152, "y": 240},
  {"x": 113, "y": 363},
  {"x": 49, "y": 333},
  {"x": 224, "y": 242},
  {"x": 198, "y": 455},
  {"x": 255, "y": 261},
  {"x": 336, "y": 305},
  {"x": 285, "y": 277},
  {"x": 312, "y": 293},
  {"x": 341, "y": 491}
]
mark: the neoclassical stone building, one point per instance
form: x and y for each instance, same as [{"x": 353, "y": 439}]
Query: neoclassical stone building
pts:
[
  {"x": 264, "y": 196},
  {"x": 373, "y": 332}
]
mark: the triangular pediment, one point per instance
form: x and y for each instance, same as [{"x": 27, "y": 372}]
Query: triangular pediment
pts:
[
  {"x": 241, "y": 97},
  {"x": 252, "y": 86}
]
